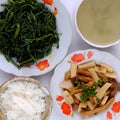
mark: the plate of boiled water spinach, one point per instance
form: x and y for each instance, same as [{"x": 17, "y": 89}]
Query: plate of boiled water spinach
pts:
[{"x": 33, "y": 36}]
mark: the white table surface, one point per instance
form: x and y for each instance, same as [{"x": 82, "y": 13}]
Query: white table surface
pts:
[{"x": 77, "y": 44}]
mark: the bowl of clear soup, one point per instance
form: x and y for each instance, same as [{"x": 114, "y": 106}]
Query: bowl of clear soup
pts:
[{"x": 98, "y": 22}]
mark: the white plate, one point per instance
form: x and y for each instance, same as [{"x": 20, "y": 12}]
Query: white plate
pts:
[
  {"x": 58, "y": 76},
  {"x": 64, "y": 27}
]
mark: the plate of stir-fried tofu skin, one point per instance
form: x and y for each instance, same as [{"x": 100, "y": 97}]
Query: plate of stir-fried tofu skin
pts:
[{"x": 86, "y": 85}]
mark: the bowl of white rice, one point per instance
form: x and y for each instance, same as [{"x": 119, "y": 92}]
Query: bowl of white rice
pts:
[{"x": 23, "y": 98}]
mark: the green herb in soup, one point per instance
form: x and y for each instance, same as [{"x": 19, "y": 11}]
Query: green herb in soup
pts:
[
  {"x": 99, "y": 20},
  {"x": 27, "y": 32}
]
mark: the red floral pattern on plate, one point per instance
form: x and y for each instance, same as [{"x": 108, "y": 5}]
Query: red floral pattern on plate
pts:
[
  {"x": 109, "y": 115},
  {"x": 59, "y": 98},
  {"x": 66, "y": 109},
  {"x": 116, "y": 107},
  {"x": 115, "y": 110},
  {"x": 64, "y": 106},
  {"x": 79, "y": 57},
  {"x": 89, "y": 54},
  {"x": 55, "y": 11},
  {"x": 49, "y": 2},
  {"x": 42, "y": 64}
]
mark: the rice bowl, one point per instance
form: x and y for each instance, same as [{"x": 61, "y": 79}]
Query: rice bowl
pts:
[{"x": 24, "y": 98}]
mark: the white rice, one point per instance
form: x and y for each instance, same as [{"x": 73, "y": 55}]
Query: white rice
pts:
[{"x": 23, "y": 101}]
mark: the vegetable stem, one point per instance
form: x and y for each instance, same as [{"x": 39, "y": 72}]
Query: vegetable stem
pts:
[{"x": 28, "y": 32}]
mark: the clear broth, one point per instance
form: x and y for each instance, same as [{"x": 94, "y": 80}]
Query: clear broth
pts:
[{"x": 99, "y": 20}]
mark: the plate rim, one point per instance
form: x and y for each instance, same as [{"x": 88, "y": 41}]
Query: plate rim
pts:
[{"x": 55, "y": 62}]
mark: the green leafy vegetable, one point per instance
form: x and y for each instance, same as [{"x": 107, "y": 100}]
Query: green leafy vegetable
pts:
[
  {"x": 27, "y": 32},
  {"x": 89, "y": 91}
]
